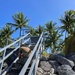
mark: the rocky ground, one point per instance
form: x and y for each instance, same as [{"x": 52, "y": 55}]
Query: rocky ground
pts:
[{"x": 57, "y": 64}]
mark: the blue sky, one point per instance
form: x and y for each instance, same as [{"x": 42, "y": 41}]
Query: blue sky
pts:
[{"x": 38, "y": 11}]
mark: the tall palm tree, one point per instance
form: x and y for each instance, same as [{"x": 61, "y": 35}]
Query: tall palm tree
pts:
[
  {"x": 20, "y": 21},
  {"x": 52, "y": 36},
  {"x": 68, "y": 21},
  {"x": 4, "y": 39}
]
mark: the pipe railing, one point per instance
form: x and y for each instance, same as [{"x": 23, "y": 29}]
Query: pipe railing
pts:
[
  {"x": 33, "y": 57},
  {"x": 3, "y": 50}
]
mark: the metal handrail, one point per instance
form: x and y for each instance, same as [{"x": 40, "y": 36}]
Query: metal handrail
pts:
[
  {"x": 34, "y": 61},
  {"x": 34, "y": 54},
  {"x": 24, "y": 69},
  {"x": 14, "y": 42},
  {"x": 4, "y": 57}
]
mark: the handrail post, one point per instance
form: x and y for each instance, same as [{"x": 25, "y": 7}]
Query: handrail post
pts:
[
  {"x": 2, "y": 61},
  {"x": 29, "y": 36},
  {"x": 34, "y": 70}
]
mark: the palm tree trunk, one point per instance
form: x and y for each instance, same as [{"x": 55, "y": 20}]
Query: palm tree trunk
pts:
[
  {"x": 20, "y": 32},
  {"x": 6, "y": 41},
  {"x": 65, "y": 35}
]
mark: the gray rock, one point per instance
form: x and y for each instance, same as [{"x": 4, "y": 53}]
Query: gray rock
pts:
[
  {"x": 54, "y": 56},
  {"x": 5, "y": 65},
  {"x": 39, "y": 71},
  {"x": 74, "y": 68},
  {"x": 53, "y": 74},
  {"x": 69, "y": 55},
  {"x": 54, "y": 64},
  {"x": 44, "y": 58},
  {"x": 46, "y": 73},
  {"x": 63, "y": 61},
  {"x": 52, "y": 71},
  {"x": 65, "y": 67},
  {"x": 72, "y": 57},
  {"x": 45, "y": 65},
  {"x": 65, "y": 70}
]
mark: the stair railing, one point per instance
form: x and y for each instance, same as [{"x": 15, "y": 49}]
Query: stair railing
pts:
[
  {"x": 33, "y": 58},
  {"x": 17, "y": 43}
]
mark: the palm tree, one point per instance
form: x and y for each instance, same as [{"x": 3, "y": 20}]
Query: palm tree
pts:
[
  {"x": 5, "y": 36},
  {"x": 33, "y": 31},
  {"x": 20, "y": 22},
  {"x": 39, "y": 30},
  {"x": 52, "y": 36},
  {"x": 68, "y": 21}
]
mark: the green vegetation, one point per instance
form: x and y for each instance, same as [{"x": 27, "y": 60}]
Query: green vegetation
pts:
[
  {"x": 5, "y": 35},
  {"x": 20, "y": 22},
  {"x": 45, "y": 53},
  {"x": 70, "y": 44},
  {"x": 52, "y": 32}
]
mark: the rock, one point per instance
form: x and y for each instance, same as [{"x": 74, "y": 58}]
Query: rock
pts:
[
  {"x": 69, "y": 55},
  {"x": 46, "y": 73},
  {"x": 65, "y": 67},
  {"x": 63, "y": 61},
  {"x": 57, "y": 64},
  {"x": 52, "y": 57},
  {"x": 45, "y": 66},
  {"x": 39, "y": 71},
  {"x": 72, "y": 57},
  {"x": 74, "y": 68},
  {"x": 54, "y": 64},
  {"x": 52, "y": 71},
  {"x": 55, "y": 55},
  {"x": 4, "y": 65},
  {"x": 65, "y": 70},
  {"x": 44, "y": 58}
]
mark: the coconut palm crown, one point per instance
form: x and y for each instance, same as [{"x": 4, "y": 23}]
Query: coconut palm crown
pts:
[{"x": 20, "y": 21}]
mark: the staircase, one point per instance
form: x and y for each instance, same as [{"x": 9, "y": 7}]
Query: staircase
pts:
[{"x": 31, "y": 64}]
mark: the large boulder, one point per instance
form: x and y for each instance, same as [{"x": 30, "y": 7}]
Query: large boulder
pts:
[
  {"x": 45, "y": 66},
  {"x": 69, "y": 55},
  {"x": 65, "y": 61},
  {"x": 54, "y": 56},
  {"x": 54, "y": 64},
  {"x": 65, "y": 70},
  {"x": 72, "y": 57}
]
